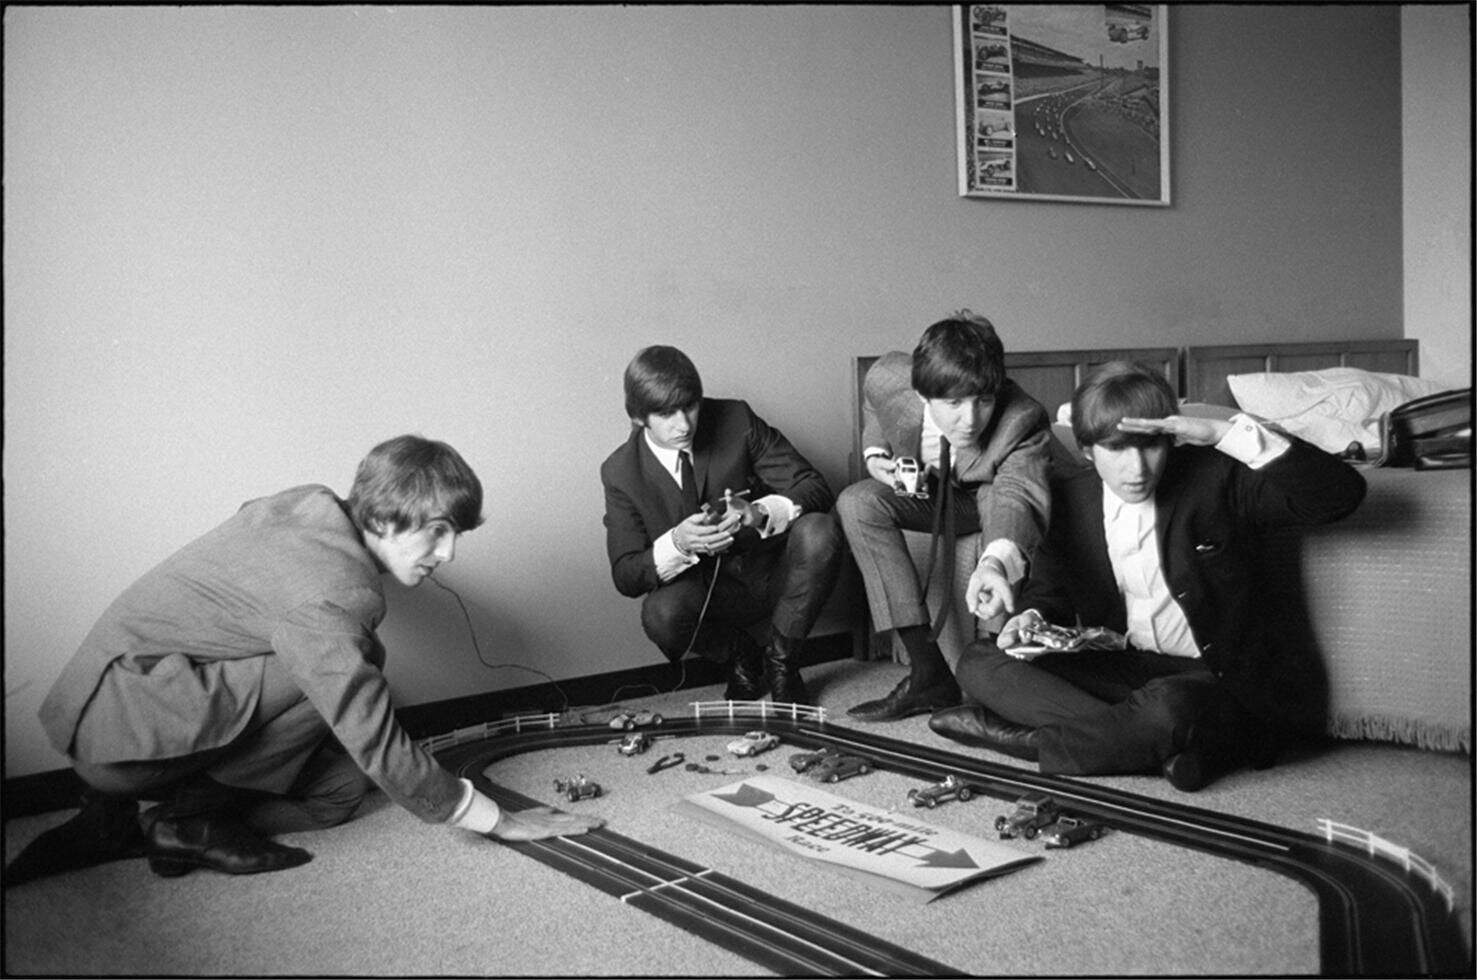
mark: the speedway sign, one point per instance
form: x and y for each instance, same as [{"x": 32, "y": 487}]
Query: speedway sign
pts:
[{"x": 889, "y": 849}]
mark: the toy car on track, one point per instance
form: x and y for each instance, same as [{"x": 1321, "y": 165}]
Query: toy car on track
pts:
[
  {"x": 952, "y": 787},
  {"x": 578, "y": 788},
  {"x": 628, "y": 720},
  {"x": 838, "y": 767},
  {"x": 634, "y": 743},
  {"x": 1069, "y": 830},
  {"x": 753, "y": 743},
  {"x": 805, "y": 761},
  {"x": 1032, "y": 812}
]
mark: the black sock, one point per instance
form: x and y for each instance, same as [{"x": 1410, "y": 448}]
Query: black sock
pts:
[{"x": 925, "y": 659}]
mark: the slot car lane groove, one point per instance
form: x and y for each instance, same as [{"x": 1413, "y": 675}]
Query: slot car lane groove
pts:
[{"x": 1375, "y": 918}]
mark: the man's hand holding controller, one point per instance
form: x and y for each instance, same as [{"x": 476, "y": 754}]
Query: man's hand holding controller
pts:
[{"x": 706, "y": 533}]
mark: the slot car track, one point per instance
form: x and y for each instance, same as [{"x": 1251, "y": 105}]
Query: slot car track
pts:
[{"x": 1375, "y": 917}]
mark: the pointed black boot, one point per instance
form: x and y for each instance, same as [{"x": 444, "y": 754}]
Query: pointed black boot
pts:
[
  {"x": 782, "y": 669},
  {"x": 746, "y": 680}
]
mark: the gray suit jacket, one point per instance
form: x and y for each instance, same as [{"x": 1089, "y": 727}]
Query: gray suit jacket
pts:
[
  {"x": 174, "y": 666},
  {"x": 1007, "y": 469}
]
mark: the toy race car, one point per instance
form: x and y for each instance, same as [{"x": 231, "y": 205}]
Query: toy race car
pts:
[
  {"x": 1069, "y": 830},
  {"x": 753, "y": 743},
  {"x": 578, "y": 788},
  {"x": 634, "y": 743},
  {"x": 628, "y": 720},
  {"x": 805, "y": 761},
  {"x": 1032, "y": 812},
  {"x": 837, "y": 767},
  {"x": 952, "y": 787}
]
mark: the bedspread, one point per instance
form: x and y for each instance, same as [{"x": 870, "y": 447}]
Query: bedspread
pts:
[{"x": 1387, "y": 594}]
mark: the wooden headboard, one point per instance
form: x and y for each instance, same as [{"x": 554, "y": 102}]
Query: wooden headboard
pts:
[
  {"x": 1206, "y": 368},
  {"x": 1050, "y": 377}
]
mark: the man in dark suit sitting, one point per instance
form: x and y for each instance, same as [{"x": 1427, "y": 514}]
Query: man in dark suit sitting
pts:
[
  {"x": 1157, "y": 541},
  {"x": 715, "y": 518}
]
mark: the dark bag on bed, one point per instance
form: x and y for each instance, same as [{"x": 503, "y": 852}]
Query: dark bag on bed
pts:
[{"x": 1434, "y": 432}]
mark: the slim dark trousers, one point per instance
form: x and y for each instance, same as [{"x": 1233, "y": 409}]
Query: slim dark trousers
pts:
[
  {"x": 785, "y": 579},
  {"x": 1097, "y": 713}
]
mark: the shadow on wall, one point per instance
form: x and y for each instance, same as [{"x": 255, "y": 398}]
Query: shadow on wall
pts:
[{"x": 468, "y": 644}]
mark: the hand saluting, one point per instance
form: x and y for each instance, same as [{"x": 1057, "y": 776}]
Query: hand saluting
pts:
[{"x": 1185, "y": 429}]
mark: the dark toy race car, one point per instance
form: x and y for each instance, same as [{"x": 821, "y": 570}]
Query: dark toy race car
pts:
[
  {"x": 952, "y": 787},
  {"x": 805, "y": 761},
  {"x": 1070, "y": 830},
  {"x": 578, "y": 788},
  {"x": 838, "y": 767}
]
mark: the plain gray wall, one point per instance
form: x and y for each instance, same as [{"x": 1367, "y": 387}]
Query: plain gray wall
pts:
[{"x": 242, "y": 245}]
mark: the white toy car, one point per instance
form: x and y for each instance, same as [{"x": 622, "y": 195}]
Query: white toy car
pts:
[{"x": 753, "y": 743}]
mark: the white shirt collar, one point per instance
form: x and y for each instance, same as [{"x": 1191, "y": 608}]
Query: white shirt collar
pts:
[{"x": 667, "y": 457}]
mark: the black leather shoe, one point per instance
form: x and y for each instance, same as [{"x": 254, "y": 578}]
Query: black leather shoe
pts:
[
  {"x": 782, "y": 671},
  {"x": 105, "y": 829},
  {"x": 746, "y": 680},
  {"x": 1187, "y": 771},
  {"x": 1200, "y": 762},
  {"x": 908, "y": 699},
  {"x": 974, "y": 724},
  {"x": 179, "y": 846}
]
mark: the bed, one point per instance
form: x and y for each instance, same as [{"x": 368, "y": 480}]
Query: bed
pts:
[{"x": 1379, "y": 603}]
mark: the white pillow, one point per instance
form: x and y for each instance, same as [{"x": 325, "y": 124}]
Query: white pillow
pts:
[{"x": 1332, "y": 407}]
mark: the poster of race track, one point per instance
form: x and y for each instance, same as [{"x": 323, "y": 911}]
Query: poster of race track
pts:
[{"x": 1066, "y": 102}]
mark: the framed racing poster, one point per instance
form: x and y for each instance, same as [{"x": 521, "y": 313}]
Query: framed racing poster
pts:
[{"x": 1063, "y": 102}]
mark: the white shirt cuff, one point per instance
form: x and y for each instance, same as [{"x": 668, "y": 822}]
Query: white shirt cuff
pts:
[
  {"x": 782, "y": 511},
  {"x": 669, "y": 561},
  {"x": 1010, "y": 556},
  {"x": 1250, "y": 442},
  {"x": 476, "y": 812}
]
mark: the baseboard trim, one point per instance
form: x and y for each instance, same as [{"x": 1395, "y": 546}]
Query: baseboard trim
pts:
[{"x": 59, "y": 789}]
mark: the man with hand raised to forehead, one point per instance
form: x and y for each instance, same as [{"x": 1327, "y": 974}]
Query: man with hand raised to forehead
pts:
[
  {"x": 240, "y": 683},
  {"x": 1158, "y": 539},
  {"x": 720, "y": 526}
]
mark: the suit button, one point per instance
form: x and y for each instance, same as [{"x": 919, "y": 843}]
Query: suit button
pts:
[{"x": 1180, "y": 595}]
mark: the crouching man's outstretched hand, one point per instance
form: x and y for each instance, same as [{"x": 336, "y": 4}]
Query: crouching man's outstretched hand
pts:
[{"x": 541, "y": 822}]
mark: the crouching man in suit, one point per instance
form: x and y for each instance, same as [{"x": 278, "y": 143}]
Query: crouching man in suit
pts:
[
  {"x": 1156, "y": 541},
  {"x": 239, "y": 683},
  {"x": 719, "y": 523},
  {"x": 985, "y": 445}
]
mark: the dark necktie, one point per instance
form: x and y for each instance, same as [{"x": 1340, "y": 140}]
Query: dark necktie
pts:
[
  {"x": 689, "y": 486},
  {"x": 943, "y": 533}
]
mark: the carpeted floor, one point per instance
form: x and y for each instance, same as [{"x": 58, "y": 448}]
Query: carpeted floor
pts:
[{"x": 388, "y": 896}]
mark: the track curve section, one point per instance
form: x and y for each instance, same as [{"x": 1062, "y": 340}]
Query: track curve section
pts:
[{"x": 1375, "y": 917}]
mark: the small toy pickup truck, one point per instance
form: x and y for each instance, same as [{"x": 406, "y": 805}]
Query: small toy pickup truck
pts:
[{"x": 1032, "y": 812}]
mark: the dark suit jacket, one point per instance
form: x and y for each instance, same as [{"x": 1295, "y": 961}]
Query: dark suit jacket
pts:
[
  {"x": 1007, "y": 469},
  {"x": 1210, "y": 513},
  {"x": 732, "y": 449}
]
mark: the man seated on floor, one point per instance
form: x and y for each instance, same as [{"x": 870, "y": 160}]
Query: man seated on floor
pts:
[
  {"x": 986, "y": 447},
  {"x": 1156, "y": 541},
  {"x": 719, "y": 523},
  {"x": 239, "y": 682}
]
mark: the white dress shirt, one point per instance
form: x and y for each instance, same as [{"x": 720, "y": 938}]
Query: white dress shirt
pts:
[
  {"x": 1155, "y": 620},
  {"x": 670, "y": 560}
]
